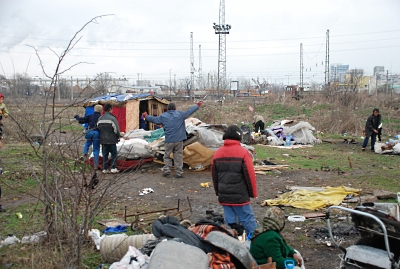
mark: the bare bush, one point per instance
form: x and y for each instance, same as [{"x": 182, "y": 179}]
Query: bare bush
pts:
[{"x": 67, "y": 188}]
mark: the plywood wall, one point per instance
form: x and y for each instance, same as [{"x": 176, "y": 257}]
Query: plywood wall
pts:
[
  {"x": 155, "y": 108},
  {"x": 132, "y": 115}
]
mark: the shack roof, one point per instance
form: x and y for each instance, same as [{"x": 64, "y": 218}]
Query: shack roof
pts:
[{"x": 121, "y": 99}]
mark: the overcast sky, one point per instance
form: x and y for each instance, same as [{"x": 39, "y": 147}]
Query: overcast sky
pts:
[{"x": 152, "y": 37}]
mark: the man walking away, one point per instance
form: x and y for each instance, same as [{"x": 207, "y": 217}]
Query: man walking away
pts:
[
  {"x": 173, "y": 122},
  {"x": 371, "y": 128},
  {"x": 109, "y": 137}
]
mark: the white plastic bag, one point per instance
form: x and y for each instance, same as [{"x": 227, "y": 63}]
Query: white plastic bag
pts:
[
  {"x": 396, "y": 148},
  {"x": 133, "y": 259}
]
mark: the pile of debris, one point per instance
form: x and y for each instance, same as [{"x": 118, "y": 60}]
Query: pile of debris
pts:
[
  {"x": 205, "y": 244},
  {"x": 287, "y": 132},
  {"x": 203, "y": 140}
]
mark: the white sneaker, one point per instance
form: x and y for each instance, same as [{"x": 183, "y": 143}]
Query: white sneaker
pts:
[
  {"x": 114, "y": 171},
  {"x": 105, "y": 171}
]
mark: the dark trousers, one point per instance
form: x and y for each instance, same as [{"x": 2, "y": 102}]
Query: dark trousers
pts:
[
  {"x": 259, "y": 126},
  {"x": 373, "y": 140},
  {"x": 107, "y": 149}
]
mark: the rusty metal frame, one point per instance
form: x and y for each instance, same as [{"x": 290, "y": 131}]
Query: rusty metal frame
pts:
[{"x": 139, "y": 223}]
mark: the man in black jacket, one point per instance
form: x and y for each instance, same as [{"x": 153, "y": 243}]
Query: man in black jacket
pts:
[
  {"x": 371, "y": 128},
  {"x": 109, "y": 137}
]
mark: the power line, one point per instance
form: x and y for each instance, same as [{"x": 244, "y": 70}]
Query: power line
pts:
[
  {"x": 230, "y": 48},
  {"x": 185, "y": 42},
  {"x": 231, "y": 55}
]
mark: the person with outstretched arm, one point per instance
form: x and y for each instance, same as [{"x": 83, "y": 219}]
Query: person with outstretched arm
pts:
[{"x": 173, "y": 122}]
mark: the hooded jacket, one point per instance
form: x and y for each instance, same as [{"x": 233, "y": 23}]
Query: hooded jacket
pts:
[
  {"x": 233, "y": 175},
  {"x": 109, "y": 129}
]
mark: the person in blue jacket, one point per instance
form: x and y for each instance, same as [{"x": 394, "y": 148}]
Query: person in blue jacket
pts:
[
  {"x": 173, "y": 122},
  {"x": 92, "y": 134}
]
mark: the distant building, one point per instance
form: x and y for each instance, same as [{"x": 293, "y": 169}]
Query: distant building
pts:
[
  {"x": 379, "y": 69},
  {"x": 337, "y": 72}
]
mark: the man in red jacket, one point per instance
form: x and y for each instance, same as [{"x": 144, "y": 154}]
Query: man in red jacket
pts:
[{"x": 234, "y": 180}]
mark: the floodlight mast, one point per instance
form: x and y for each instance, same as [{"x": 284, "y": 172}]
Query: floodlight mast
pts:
[{"x": 221, "y": 30}]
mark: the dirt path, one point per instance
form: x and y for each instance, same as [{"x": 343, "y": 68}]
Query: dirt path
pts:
[{"x": 303, "y": 236}]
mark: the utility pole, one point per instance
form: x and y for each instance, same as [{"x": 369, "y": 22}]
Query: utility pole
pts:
[
  {"x": 288, "y": 79},
  {"x": 170, "y": 84},
  {"x": 191, "y": 64},
  {"x": 387, "y": 81},
  {"x": 72, "y": 89},
  {"x": 200, "y": 70},
  {"x": 221, "y": 30},
  {"x": 301, "y": 66},
  {"x": 327, "y": 58}
]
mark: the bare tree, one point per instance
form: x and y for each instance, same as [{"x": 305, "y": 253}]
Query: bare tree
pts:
[
  {"x": 103, "y": 82},
  {"x": 67, "y": 188},
  {"x": 261, "y": 85}
]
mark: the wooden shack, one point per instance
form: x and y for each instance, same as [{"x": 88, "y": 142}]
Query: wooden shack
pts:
[{"x": 127, "y": 108}]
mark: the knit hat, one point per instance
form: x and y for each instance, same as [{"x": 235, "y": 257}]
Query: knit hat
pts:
[
  {"x": 274, "y": 219},
  {"x": 98, "y": 108},
  {"x": 233, "y": 132}
]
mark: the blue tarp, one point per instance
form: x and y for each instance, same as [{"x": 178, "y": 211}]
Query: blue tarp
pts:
[{"x": 121, "y": 97}]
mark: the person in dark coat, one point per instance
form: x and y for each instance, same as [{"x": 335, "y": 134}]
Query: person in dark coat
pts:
[
  {"x": 142, "y": 121},
  {"x": 109, "y": 137},
  {"x": 234, "y": 180},
  {"x": 371, "y": 128}
]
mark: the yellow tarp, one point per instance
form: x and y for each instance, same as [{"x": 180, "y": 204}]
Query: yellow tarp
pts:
[{"x": 313, "y": 199}]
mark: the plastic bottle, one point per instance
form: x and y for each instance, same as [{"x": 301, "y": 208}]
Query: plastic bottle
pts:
[
  {"x": 289, "y": 264},
  {"x": 288, "y": 143}
]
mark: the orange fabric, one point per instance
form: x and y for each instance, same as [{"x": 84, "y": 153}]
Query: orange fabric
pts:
[
  {"x": 203, "y": 230},
  {"x": 218, "y": 260},
  {"x": 221, "y": 261}
]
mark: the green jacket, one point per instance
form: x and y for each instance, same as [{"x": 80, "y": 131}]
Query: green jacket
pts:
[{"x": 271, "y": 244}]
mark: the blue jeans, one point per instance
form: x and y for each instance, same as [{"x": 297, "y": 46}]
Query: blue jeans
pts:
[
  {"x": 373, "y": 140},
  {"x": 93, "y": 137},
  {"x": 245, "y": 215},
  {"x": 107, "y": 149}
]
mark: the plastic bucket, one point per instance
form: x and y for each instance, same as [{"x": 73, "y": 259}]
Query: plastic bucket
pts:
[{"x": 114, "y": 247}]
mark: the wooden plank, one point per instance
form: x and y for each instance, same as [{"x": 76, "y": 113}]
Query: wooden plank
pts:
[
  {"x": 269, "y": 167},
  {"x": 295, "y": 188},
  {"x": 313, "y": 215}
]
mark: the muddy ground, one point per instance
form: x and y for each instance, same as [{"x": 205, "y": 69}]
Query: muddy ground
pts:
[{"x": 307, "y": 237}]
